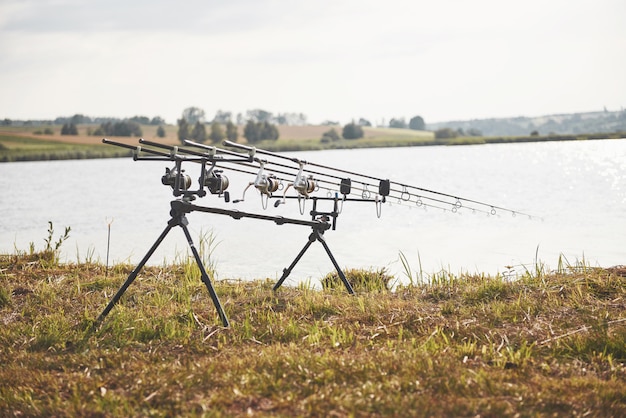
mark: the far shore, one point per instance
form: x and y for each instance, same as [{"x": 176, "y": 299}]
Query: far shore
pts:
[{"x": 30, "y": 144}]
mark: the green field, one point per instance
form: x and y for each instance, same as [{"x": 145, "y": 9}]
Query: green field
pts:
[
  {"x": 23, "y": 144},
  {"x": 550, "y": 343},
  {"x": 23, "y": 148}
]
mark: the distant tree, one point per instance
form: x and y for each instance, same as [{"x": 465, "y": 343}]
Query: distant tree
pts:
[
  {"x": 217, "y": 133},
  {"x": 445, "y": 133},
  {"x": 183, "y": 129},
  {"x": 69, "y": 129},
  {"x": 474, "y": 132},
  {"x": 78, "y": 119},
  {"x": 259, "y": 131},
  {"x": 222, "y": 116},
  {"x": 97, "y": 132},
  {"x": 157, "y": 120},
  {"x": 352, "y": 131},
  {"x": 330, "y": 135},
  {"x": 193, "y": 115},
  {"x": 534, "y": 133},
  {"x": 269, "y": 131},
  {"x": 122, "y": 128},
  {"x": 160, "y": 132},
  {"x": 143, "y": 120},
  {"x": 198, "y": 133},
  {"x": 259, "y": 115},
  {"x": 292, "y": 119},
  {"x": 127, "y": 128},
  {"x": 397, "y": 123},
  {"x": 250, "y": 132},
  {"x": 329, "y": 123},
  {"x": 281, "y": 119},
  {"x": 417, "y": 123},
  {"x": 231, "y": 132},
  {"x": 364, "y": 122},
  {"x": 7, "y": 122}
]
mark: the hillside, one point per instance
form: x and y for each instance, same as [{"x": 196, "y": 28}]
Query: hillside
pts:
[{"x": 571, "y": 123}]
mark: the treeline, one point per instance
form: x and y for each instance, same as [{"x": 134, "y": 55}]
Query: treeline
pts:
[
  {"x": 195, "y": 114},
  {"x": 108, "y": 126},
  {"x": 121, "y": 128},
  {"x": 258, "y": 126},
  {"x": 80, "y": 119}
]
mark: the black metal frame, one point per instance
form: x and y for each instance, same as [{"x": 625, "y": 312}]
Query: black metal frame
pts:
[{"x": 179, "y": 208}]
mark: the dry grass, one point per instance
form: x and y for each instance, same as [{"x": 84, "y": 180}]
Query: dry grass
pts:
[{"x": 543, "y": 345}]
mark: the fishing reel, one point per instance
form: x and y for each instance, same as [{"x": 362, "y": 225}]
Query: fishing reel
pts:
[
  {"x": 216, "y": 182},
  {"x": 304, "y": 185},
  {"x": 266, "y": 184},
  {"x": 176, "y": 179}
]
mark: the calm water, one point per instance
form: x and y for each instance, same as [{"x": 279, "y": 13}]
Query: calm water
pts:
[{"x": 578, "y": 189}]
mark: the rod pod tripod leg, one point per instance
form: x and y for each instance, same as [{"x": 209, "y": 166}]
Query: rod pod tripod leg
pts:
[
  {"x": 178, "y": 219},
  {"x": 316, "y": 235}
]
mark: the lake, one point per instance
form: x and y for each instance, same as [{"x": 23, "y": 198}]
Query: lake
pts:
[{"x": 575, "y": 190}]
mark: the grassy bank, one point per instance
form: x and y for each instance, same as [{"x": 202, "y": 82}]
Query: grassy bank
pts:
[
  {"x": 547, "y": 344},
  {"x": 20, "y": 148}
]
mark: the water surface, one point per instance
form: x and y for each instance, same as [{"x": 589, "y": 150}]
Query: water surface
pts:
[{"x": 577, "y": 191}]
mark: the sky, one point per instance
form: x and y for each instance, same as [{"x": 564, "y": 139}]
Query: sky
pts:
[{"x": 337, "y": 60}]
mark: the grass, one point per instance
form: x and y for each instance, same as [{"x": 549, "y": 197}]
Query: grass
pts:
[
  {"x": 23, "y": 148},
  {"x": 545, "y": 344}
]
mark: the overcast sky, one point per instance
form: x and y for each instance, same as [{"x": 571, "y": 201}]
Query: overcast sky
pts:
[{"x": 329, "y": 59}]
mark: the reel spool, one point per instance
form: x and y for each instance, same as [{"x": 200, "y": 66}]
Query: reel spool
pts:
[
  {"x": 175, "y": 179},
  {"x": 305, "y": 186},
  {"x": 267, "y": 184},
  {"x": 216, "y": 182}
]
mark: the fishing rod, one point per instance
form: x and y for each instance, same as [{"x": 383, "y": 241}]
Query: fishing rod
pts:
[
  {"x": 401, "y": 190},
  {"x": 344, "y": 184},
  {"x": 306, "y": 186}
]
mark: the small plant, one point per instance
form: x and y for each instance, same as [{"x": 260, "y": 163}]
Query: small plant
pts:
[
  {"x": 5, "y": 297},
  {"x": 539, "y": 268},
  {"x": 360, "y": 279},
  {"x": 59, "y": 242},
  {"x": 413, "y": 281},
  {"x": 51, "y": 252},
  {"x": 206, "y": 247}
]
